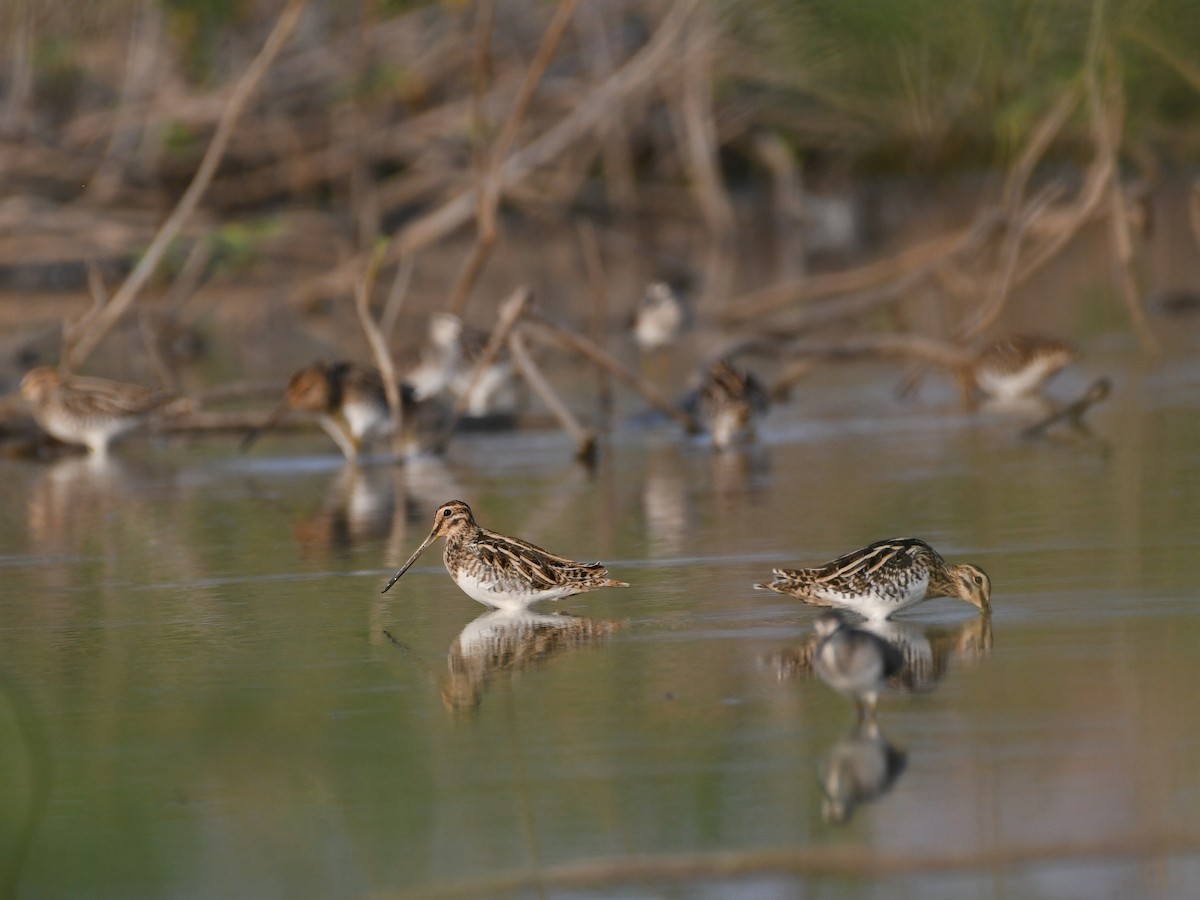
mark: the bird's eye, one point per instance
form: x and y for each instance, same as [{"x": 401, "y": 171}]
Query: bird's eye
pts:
[
  {"x": 446, "y": 513},
  {"x": 979, "y": 580}
]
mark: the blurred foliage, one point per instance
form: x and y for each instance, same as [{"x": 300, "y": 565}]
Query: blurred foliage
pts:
[
  {"x": 875, "y": 84},
  {"x": 233, "y": 247},
  {"x": 180, "y": 139},
  {"x": 920, "y": 81},
  {"x": 235, "y": 244},
  {"x": 199, "y": 27}
]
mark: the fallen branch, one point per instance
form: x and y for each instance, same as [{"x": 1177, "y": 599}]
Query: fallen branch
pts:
[
  {"x": 598, "y": 288},
  {"x": 489, "y": 187},
  {"x": 699, "y": 132},
  {"x": 238, "y": 422},
  {"x": 989, "y": 312},
  {"x": 930, "y": 351}
]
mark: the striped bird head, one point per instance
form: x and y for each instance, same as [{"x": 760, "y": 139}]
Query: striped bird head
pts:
[
  {"x": 311, "y": 389},
  {"x": 451, "y": 518},
  {"x": 972, "y": 584},
  {"x": 39, "y": 383}
]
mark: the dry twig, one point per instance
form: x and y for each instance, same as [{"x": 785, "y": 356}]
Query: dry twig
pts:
[{"x": 548, "y": 332}]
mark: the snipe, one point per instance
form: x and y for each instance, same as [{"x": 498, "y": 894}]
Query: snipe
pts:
[
  {"x": 501, "y": 571},
  {"x": 883, "y": 578}
]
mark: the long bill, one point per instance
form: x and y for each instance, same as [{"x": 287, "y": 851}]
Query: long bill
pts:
[
  {"x": 268, "y": 423},
  {"x": 412, "y": 559}
]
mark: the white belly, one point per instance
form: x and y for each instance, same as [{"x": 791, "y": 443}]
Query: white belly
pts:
[
  {"x": 500, "y": 596},
  {"x": 366, "y": 420},
  {"x": 95, "y": 433},
  {"x": 1016, "y": 384},
  {"x": 877, "y": 604}
]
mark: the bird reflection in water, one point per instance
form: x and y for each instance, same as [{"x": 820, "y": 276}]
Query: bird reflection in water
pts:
[
  {"x": 738, "y": 475},
  {"x": 509, "y": 641},
  {"x": 928, "y": 652},
  {"x": 70, "y": 495},
  {"x": 854, "y": 662},
  {"x": 857, "y": 663},
  {"x": 863, "y": 765},
  {"x": 359, "y": 506},
  {"x": 860, "y": 767},
  {"x": 368, "y": 503}
]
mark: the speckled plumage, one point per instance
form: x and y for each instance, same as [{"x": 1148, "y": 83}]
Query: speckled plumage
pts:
[
  {"x": 349, "y": 402},
  {"x": 884, "y": 578},
  {"x": 88, "y": 411},
  {"x": 729, "y": 403},
  {"x": 501, "y": 571}
]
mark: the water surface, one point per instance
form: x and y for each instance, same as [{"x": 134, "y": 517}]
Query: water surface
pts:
[{"x": 204, "y": 694}]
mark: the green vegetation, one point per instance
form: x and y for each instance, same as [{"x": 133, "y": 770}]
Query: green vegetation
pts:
[
  {"x": 883, "y": 83},
  {"x": 900, "y": 82}
]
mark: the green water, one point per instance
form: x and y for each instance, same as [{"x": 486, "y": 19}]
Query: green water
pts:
[{"x": 203, "y": 693}]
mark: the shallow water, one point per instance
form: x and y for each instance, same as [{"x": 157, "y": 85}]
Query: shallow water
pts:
[{"x": 204, "y": 694}]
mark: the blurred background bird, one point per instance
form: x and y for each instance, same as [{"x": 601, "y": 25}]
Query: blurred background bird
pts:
[
  {"x": 349, "y": 402},
  {"x": 93, "y": 412},
  {"x": 447, "y": 367},
  {"x": 660, "y": 317},
  {"x": 1014, "y": 366},
  {"x": 730, "y": 402}
]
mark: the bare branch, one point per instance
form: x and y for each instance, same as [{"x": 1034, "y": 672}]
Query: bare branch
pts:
[
  {"x": 598, "y": 287},
  {"x": 548, "y": 332},
  {"x": 584, "y": 438},
  {"x": 87, "y": 341},
  {"x": 490, "y": 186},
  {"x": 591, "y": 112},
  {"x": 379, "y": 347}
]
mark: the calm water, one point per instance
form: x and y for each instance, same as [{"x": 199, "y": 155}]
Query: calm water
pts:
[{"x": 203, "y": 694}]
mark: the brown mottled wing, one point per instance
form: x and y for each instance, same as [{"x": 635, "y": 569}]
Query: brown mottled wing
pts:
[
  {"x": 542, "y": 569},
  {"x": 1015, "y": 351},
  {"x": 363, "y": 380},
  {"x": 796, "y": 582},
  {"x": 891, "y": 558},
  {"x": 726, "y": 385},
  {"x": 97, "y": 396}
]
